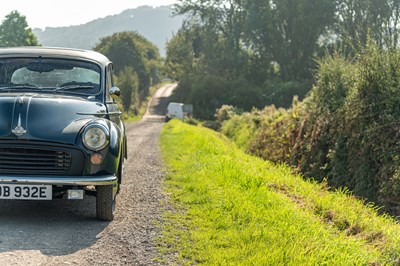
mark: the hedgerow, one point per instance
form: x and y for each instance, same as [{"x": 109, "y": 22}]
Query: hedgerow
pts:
[{"x": 346, "y": 131}]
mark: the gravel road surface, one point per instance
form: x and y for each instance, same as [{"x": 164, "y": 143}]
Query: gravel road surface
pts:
[{"x": 68, "y": 233}]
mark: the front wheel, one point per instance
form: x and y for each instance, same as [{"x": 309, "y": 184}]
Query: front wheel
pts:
[
  {"x": 105, "y": 203},
  {"x": 120, "y": 173}
]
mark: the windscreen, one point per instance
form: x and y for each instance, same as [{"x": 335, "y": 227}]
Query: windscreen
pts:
[{"x": 55, "y": 75}]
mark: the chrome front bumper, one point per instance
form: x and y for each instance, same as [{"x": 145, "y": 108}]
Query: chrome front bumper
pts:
[{"x": 63, "y": 181}]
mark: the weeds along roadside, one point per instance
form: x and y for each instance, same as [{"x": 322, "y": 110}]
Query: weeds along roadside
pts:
[
  {"x": 233, "y": 208},
  {"x": 346, "y": 131}
]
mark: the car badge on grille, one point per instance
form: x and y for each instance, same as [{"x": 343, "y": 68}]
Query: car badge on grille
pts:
[
  {"x": 20, "y": 99},
  {"x": 19, "y": 130}
]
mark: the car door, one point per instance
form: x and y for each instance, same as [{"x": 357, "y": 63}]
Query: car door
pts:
[
  {"x": 112, "y": 106},
  {"x": 114, "y": 113}
]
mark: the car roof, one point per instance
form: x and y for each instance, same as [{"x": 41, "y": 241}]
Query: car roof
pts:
[{"x": 57, "y": 52}]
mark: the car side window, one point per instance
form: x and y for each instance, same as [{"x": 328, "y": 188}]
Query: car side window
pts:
[{"x": 109, "y": 82}]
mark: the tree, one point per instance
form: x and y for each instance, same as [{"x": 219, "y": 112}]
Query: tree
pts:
[
  {"x": 128, "y": 80},
  {"x": 131, "y": 52},
  {"x": 360, "y": 20},
  {"x": 251, "y": 36},
  {"x": 14, "y": 31},
  {"x": 217, "y": 27},
  {"x": 245, "y": 43},
  {"x": 287, "y": 32},
  {"x": 180, "y": 58}
]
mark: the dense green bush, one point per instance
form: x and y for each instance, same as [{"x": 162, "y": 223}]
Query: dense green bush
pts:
[
  {"x": 209, "y": 93},
  {"x": 240, "y": 128},
  {"x": 277, "y": 133},
  {"x": 346, "y": 131},
  {"x": 280, "y": 93},
  {"x": 226, "y": 112},
  {"x": 206, "y": 94},
  {"x": 372, "y": 126},
  {"x": 321, "y": 139},
  {"x": 129, "y": 81}
]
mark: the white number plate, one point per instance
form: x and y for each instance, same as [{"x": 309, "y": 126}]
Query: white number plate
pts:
[{"x": 27, "y": 192}]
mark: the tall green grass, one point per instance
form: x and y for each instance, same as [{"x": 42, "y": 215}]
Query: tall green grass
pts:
[{"x": 234, "y": 209}]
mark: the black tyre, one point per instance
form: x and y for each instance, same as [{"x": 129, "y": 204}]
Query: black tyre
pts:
[
  {"x": 120, "y": 174},
  {"x": 105, "y": 203}
]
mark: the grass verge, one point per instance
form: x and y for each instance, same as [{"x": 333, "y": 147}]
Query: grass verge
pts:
[{"x": 234, "y": 209}]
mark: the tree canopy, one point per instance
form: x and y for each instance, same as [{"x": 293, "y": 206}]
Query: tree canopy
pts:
[
  {"x": 273, "y": 45},
  {"x": 14, "y": 31},
  {"x": 136, "y": 64}
]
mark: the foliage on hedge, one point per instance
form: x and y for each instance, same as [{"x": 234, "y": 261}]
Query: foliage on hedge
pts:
[
  {"x": 209, "y": 93},
  {"x": 346, "y": 131}
]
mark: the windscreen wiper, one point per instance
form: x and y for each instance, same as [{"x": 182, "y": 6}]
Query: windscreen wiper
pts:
[
  {"x": 74, "y": 87},
  {"x": 10, "y": 87}
]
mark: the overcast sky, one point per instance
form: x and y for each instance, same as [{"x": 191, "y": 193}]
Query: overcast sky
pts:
[{"x": 51, "y": 13}]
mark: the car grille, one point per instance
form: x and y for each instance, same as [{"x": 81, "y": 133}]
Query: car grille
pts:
[{"x": 28, "y": 159}]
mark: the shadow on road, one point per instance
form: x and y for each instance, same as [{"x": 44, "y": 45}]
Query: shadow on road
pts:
[
  {"x": 54, "y": 228},
  {"x": 158, "y": 104},
  {"x": 157, "y": 110}
]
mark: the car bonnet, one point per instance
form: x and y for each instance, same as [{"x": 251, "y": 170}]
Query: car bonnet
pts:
[{"x": 37, "y": 117}]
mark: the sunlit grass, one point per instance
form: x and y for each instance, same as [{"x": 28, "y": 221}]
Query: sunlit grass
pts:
[{"x": 235, "y": 209}]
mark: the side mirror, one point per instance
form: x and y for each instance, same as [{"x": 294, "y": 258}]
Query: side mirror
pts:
[{"x": 115, "y": 93}]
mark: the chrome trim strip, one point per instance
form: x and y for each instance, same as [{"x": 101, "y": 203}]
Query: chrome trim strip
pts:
[
  {"x": 100, "y": 114},
  {"x": 57, "y": 180},
  {"x": 114, "y": 113},
  {"x": 95, "y": 114}
]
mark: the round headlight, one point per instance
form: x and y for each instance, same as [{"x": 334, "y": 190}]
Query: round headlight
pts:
[{"x": 95, "y": 137}]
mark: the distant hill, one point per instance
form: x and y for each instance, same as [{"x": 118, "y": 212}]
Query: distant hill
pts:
[{"x": 156, "y": 24}]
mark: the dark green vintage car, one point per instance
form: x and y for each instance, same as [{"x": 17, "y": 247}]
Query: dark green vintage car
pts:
[{"x": 61, "y": 134}]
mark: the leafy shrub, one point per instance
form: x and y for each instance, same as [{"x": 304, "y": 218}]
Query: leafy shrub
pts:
[
  {"x": 190, "y": 120},
  {"x": 280, "y": 93},
  {"x": 336, "y": 76},
  {"x": 226, "y": 112},
  {"x": 277, "y": 133},
  {"x": 372, "y": 124},
  {"x": 347, "y": 131},
  {"x": 209, "y": 93},
  {"x": 244, "y": 95},
  {"x": 128, "y": 81},
  {"x": 205, "y": 93},
  {"x": 240, "y": 128},
  {"x": 214, "y": 125}
]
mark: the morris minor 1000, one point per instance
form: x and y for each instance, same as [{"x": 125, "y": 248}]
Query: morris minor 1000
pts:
[{"x": 61, "y": 134}]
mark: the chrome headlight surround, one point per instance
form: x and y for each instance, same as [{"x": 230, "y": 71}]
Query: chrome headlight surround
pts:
[{"x": 96, "y": 137}]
